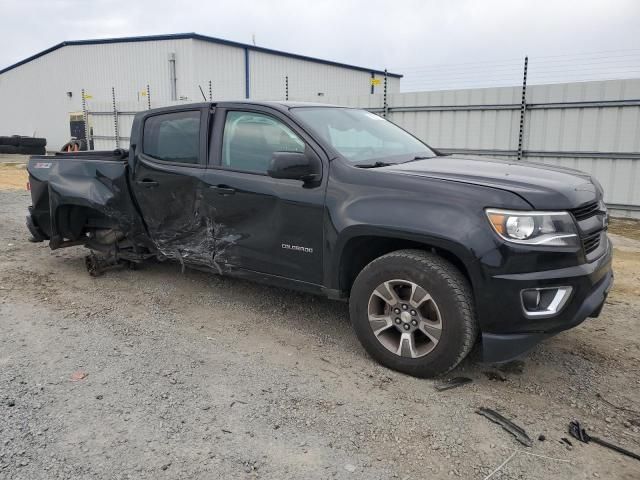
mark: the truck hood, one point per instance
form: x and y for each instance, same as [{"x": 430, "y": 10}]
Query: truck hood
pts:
[{"x": 545, "y": 187}]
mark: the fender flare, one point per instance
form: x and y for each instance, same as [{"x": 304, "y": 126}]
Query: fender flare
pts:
[{"x": 459, "y": 251}]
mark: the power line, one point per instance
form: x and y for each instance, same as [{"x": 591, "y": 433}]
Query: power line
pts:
[{"x": 501, "y": 63}]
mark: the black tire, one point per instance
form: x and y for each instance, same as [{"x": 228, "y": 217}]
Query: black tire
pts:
[
  {"x": 449, "y": 289},
  {"x": 12, "y": 141},
  {"x": 31, "y": 150},
  {"x": 8, "y": 149},
  {"x": 32, "y": 142}
]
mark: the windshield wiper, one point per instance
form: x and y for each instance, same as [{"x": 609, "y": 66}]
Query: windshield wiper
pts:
[{"x": 374, "y": 165}]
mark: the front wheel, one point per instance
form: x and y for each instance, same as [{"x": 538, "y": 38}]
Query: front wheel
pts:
[{"x": 413, "y": 312}]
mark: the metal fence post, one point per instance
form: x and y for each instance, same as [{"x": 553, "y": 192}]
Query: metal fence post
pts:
[
  {"x": 523, "y": 108},
  {"x": 386, "y": 106},
  {"x": 115, "y": 116},
  {"x": 85, "y": 118},
  {"x": 286, "y": 87},
  {"x": 148, "y": 97},
  {"x": 210, "y": 92}
]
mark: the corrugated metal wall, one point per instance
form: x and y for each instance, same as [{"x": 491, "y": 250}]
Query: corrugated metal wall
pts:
[
  {"x": 590, "y": 126},
  {"x": 34, "y": 100},
  {"x": 307, "y": 80},
  {"x": 223, "y": 66}
]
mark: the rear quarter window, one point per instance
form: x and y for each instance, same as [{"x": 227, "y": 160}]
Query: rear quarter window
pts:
[{"x": 173, "y": 137}]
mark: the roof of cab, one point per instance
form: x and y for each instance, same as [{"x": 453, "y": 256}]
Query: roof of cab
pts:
[{"x": 279, "y": 105}]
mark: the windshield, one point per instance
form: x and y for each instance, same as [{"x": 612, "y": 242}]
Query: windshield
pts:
[{"x": 362, "y": 137}]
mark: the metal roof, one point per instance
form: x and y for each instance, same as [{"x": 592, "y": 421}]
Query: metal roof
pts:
[{"x": 194, "y": 36}]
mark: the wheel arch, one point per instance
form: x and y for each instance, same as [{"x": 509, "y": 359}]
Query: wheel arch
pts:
[{"x": 358, "y": 249}]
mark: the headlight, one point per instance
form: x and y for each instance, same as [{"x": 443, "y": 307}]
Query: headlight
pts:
[{"x": 554, "y": 229}]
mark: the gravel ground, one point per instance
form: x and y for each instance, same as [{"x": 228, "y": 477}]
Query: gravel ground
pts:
[{"x": 158, "y": 374}]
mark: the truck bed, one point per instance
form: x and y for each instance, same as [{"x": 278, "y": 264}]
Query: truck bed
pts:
[{"x": 94, "y": 181}]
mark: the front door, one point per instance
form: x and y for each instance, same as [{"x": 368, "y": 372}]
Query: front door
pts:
[
  {"x": 166, "y": 181},
  {"x": 264, "y": 225}
]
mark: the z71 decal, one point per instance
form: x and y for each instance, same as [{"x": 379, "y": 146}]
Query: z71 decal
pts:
[{"x": 42, "y": 165}]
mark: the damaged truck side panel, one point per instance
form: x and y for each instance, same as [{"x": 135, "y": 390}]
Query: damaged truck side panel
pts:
[
  {"x": 340, "y": 202},
  {"x": 72, "y": 198}
]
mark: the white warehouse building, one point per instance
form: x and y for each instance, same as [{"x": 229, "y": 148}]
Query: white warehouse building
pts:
[{"x": 41, "y": 94}]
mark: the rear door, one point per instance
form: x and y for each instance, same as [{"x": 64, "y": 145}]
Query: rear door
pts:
[
  {"x": 262, "y": 224},
  {"x": 170, "y": 160}
]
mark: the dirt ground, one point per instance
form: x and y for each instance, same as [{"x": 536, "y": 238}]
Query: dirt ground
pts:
[
  {"x": 13, "y": 175},
  {"x": 158, "y": 374}
]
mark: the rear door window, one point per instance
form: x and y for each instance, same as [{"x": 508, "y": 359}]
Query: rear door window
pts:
[{"x": 173, "y": 137}]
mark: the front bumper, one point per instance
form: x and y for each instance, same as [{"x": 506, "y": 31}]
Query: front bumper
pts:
[{"x": 512, "y": 333}]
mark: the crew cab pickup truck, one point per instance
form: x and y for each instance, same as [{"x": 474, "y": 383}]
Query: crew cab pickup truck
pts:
[{"x": 434, "y": 253}]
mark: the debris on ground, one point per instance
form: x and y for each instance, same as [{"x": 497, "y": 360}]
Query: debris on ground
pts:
[
  {"x": 566, "y": 441},
  {"x": 508, "y": 425},
  {"x": 579, "y": 433},
  {"x": 453, "y": 383},
  {"x": 495, "y": 375},
  {"x": 78, "y": 375},
  {"x": 501, "y": 465},
  {"x": 515, "y": 367},
  {"x": 617, "y": 407}
]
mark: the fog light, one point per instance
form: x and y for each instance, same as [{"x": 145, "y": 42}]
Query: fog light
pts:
[
  {"x": 544, "y": 302},
  {"x": 531, "y": 299}
]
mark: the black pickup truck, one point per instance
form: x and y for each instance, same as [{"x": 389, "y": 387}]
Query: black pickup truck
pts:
[{"x": 434, "y": 253}]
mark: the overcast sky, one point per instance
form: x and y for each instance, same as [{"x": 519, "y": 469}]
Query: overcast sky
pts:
[{"x": 429, "y": 41}]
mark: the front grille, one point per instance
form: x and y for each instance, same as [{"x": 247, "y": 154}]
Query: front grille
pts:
[
  {"x": 591, "y": 242},
  {"x": 583, "y": 215},
  {"x": 586, "y": 211}
]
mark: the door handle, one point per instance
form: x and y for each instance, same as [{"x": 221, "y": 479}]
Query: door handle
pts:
[
  {"x": 223, "y": 189},
  {"x": 147, "y": 183}
]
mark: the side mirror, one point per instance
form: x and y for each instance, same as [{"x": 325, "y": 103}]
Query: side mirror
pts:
[{"x": 294, "y": 166}]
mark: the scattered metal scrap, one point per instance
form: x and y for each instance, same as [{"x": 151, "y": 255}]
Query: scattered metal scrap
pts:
[
  {"x": 508, "y": 425},
  {"x": 453, "y": 383},
  {"x": 579, "y": 433},
  {"x": 566, "y": 441}
]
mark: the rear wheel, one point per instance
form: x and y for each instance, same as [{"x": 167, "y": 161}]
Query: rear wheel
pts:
[{"x": 413, "y": 312}]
